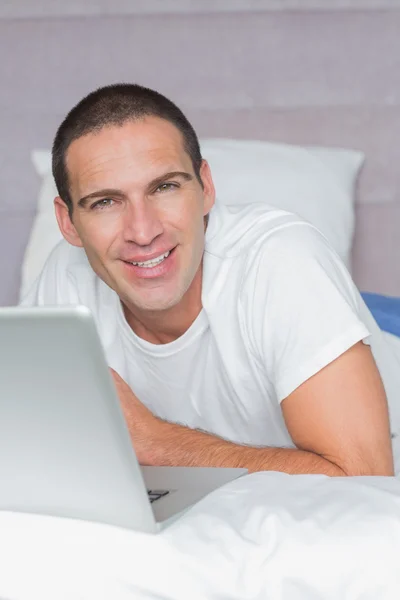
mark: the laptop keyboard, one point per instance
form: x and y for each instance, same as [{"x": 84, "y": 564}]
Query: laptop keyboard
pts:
[{"x": 156, "y": 494}]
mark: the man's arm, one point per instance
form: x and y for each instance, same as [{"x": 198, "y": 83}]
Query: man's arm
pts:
[
  {"x": 341, "y": 414},
  {"x": 338, "y": 420},
  {"x": 176, "y": 445}
]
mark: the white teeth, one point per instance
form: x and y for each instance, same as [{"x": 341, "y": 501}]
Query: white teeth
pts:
[{"x": 153, "y": 262}]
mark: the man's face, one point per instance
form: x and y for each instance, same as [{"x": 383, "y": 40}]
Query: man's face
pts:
[{"x": 136, "y": 199}]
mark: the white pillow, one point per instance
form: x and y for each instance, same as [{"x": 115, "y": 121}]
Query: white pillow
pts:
[{"x": 317, "y": 183}]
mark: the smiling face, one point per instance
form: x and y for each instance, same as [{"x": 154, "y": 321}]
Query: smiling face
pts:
[{"x": 138, "y": 211}]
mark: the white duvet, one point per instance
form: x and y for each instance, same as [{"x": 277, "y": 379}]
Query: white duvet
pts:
[{"x": 265, "y": 536}]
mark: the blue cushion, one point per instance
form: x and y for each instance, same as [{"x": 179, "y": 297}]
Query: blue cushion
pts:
[{"x": 385, "y": 310}]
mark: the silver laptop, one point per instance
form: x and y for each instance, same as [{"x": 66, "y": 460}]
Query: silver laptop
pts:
[{"x": 65, "y": 449}]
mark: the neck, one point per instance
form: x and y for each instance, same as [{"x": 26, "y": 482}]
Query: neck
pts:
[{"x": 163, "y": 327}]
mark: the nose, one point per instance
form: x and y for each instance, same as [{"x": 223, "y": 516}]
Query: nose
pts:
[{"x": 141, "y": 223}]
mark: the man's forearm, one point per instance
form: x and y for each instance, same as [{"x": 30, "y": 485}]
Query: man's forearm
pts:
[{"x": 176, "y": 445}]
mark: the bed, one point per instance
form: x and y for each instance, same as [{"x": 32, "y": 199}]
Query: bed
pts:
[{"x": 316, "y": 80}]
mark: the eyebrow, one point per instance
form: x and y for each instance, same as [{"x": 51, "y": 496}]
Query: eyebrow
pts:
[{"x": 83, "y": 202}]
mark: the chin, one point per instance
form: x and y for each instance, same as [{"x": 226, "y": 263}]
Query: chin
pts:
[{"x": 151, "y": 304}]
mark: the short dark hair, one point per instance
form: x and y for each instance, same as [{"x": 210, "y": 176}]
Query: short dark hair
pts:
[{"x": 115, "y": 105}]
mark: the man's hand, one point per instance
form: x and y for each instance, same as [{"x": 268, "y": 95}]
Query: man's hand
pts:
[{"x": 142, "y": 424}]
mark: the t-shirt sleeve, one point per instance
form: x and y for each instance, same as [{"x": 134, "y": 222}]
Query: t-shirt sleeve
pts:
[{"x": 300, "y": 305}]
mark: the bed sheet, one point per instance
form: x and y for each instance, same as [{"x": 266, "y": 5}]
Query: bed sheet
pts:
[
  {"x": 386, "y": 311},
  {"x": 265, "y": 536},
  {"x": 393, "y": 343}
]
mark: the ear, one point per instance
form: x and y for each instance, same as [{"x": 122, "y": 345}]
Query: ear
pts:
[
  {"x": 208, "y": 187},
  {"x": 65, "y": 224}
]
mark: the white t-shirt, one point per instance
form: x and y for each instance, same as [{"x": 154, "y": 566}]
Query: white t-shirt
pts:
[{"x": 278, "y": 306}]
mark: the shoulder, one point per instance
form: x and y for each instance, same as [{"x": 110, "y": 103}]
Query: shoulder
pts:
[
  {"x": 66, "y": 254},
  {"x": 66, "y": 264},
  {"x": 295, "y": 244},
  {"x": 293, "y": 271},
  {"x": 272, "y": 252},
  {"x": 237, "y": 230},
  {"x": 296, "y": 260},
  {"x": 256, "y": 232},
  {"x": 66, "y": 272}
]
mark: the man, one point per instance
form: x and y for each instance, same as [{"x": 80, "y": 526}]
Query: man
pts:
[{"x": 235, "y": 335}]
